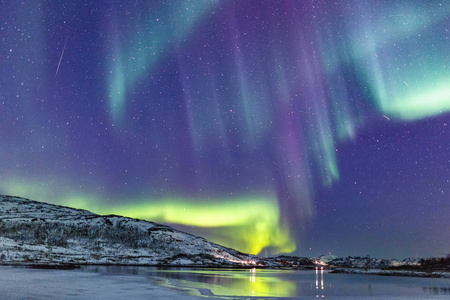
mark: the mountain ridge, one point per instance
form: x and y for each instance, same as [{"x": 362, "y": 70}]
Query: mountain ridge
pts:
[
  {"x": 46, "y": 235},
  {"x": 33, "y": 232}
]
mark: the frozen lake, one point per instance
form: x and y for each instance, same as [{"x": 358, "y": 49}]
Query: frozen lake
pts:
[{"x": 102, "y": 282}]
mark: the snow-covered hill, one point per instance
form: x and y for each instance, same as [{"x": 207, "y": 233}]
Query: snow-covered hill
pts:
[
  {"x": 34, "y": 232},
  {"x": 367, "y": 262},
  {"x": 37, "y": 233}
]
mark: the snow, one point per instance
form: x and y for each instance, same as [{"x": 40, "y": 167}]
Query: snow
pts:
[
  {"x": 40, "y": 233},
  {"x": 44, "y": 234},
  {"x": 407, "y": 273},
  {"x": 367, "y": 262},
  {"x": 327, "y": 258}
]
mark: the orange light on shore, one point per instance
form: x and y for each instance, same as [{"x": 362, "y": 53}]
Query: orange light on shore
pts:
[{"x": 321, "y": 263}]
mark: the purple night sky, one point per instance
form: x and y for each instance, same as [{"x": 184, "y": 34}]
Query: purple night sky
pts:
[{"x": 304, "y": 127}]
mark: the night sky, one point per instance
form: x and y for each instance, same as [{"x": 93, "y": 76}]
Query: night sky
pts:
[{"x": 305, "y": 127}]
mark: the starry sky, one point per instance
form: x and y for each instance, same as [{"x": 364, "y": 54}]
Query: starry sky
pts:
[{"x": 270, "y": 126}]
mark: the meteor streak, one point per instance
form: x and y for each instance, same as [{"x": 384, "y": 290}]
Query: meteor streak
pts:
[{"x": 60, "y": 58}]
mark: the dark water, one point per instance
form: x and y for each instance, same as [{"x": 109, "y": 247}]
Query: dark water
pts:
[{"x": 288, "y": 283}]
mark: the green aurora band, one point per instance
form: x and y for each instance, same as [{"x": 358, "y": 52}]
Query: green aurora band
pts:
[
  {"x": 245, "y": 224},
  {"x": 401, "y": 59},
  {"x": 131, "y": 62}
]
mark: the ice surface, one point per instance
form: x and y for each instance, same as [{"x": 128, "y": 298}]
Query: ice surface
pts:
[{"x": 25, "y": 283}]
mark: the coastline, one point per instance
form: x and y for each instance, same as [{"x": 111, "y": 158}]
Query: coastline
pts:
[
  {"x": 331, "y": 270},
  {"x": 45, "y": 236},
  {"x": 135, "y": 282},
  {"x": 399, "y": 273}
]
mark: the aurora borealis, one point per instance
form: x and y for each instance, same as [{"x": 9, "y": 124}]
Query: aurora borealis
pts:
[{"x": 283, "y": 126}]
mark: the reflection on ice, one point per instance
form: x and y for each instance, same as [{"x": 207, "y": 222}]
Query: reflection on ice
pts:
[
  {"x": 253, "y": 275},
  {"x": 119, "y": 282},
  {"x": 316, "y": 283},
  {"x": 241, "y": 283},
  {"x": 321, "y": 282}
]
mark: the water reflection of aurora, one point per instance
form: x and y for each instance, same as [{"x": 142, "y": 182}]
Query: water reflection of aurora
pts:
[{"x": 239, "y": 283}]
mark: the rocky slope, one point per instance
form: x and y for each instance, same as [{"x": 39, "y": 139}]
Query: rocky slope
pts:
[{"x": 34, "y": 232}]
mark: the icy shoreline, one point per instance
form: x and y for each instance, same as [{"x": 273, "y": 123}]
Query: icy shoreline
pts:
[
  {"x": 332, "y": 270},
  {"x": 399, "y": 273}
]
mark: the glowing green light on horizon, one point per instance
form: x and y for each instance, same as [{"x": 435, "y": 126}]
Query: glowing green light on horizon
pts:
[{"x": 247, "y": 224}]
